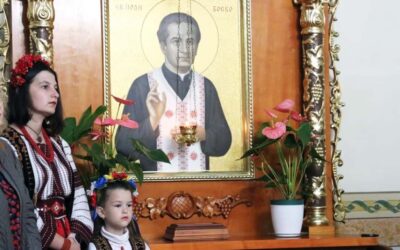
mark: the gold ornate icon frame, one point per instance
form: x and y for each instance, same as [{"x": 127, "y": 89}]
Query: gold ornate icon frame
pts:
[{"x": 127, "y": 45}]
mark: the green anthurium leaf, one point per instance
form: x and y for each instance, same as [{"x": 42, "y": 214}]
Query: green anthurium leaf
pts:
[
  {"x": 86, "y": 121},
  {"x": 68, "y": 131},
  {"x": 137, "y": 171},
  {"x": 153, "y": 154},
  {"x": 304, "y": 133},
  {"x": 290, "y": 141},
  {"x": 122, "y": 160},
  {"x": 131, "y": 166},
  {"x": 257, "y": 148}
]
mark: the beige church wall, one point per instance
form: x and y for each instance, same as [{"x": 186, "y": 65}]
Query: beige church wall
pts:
[{"x": 370, "y": 72}]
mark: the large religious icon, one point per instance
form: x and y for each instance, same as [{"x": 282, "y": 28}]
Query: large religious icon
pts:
[{"x": 185, "y": 65}]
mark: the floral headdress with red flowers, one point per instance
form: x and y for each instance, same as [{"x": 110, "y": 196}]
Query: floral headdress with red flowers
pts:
[
  {"x": 103, "y": 181},
  {"x": 23, "y": 65}
]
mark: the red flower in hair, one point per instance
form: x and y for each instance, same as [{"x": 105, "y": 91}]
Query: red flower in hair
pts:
[
  {"x": 119, "y": 175},
  {"x": 23, "y": 65}
]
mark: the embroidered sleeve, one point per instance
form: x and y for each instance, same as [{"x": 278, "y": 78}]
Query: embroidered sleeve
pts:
[
  {"x": 81, "y": 222},
  {"x": 46, "y": 226}
]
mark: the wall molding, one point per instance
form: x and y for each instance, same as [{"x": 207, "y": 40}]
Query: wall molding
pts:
[{"x": 372, "y": 205}]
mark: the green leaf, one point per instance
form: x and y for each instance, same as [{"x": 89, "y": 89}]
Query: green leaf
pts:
[
  {"x": 73, "y": 132},
  {"x": 291, "y": 141},
  {"x": 69, "y": 128},
  {"x": 255, "y": 150},
  {"x": 304, "y": 133},
  {"x": 152, "y": 154},
  {"x": 137, "y": 171},
  {"x": 131, "y": 166},
  {"x": 87, "y": 119}
]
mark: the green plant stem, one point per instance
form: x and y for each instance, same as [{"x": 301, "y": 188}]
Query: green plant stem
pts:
[{"x": 275, "y": 180}]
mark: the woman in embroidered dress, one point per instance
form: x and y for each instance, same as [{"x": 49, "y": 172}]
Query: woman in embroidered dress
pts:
[
  {"x": 18, "y": 224},
  {"x": 114, "y": 227},
  {"x": 35, "y": 118}
]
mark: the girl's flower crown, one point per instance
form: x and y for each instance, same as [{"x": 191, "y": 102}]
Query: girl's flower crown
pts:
[
  {"x": 23, "y": 65},
  {"x": 104, "y": 180}
]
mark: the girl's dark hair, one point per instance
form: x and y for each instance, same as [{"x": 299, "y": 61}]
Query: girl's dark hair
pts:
[
  {"x": 102, "y": 197},
  {"x": 19, "y": 100},
  {"x": 102, "y": 194}
]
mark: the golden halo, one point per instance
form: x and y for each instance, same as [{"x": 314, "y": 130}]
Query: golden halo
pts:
[{"x": 209, "y": 43}]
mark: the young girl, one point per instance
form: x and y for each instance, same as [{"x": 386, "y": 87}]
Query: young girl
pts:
[
  {"x": 35, "y": 121},
  {"x": 115, "y": 227}
]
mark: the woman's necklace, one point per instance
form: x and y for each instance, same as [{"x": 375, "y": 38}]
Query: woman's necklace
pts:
[
  {"x": 38, "y": 137},
  {"x": 49, "y": 154}
]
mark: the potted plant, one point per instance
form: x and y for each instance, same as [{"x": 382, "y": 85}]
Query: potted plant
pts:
[
  {"x": 289, "y": 140},
  {"x": 100, "y": 152}
]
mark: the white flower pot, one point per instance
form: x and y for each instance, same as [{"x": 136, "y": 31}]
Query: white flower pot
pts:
[{"x": 287, "y": 217}]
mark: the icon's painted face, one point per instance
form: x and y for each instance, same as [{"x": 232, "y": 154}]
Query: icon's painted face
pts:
[{"x": 180, "y": 47}]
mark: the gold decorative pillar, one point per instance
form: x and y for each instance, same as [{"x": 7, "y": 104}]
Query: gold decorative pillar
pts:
[
  {"x": 41, "y": 18},
  {"x": 312, "y": 22},
  {"x": 5, "y": 39}
]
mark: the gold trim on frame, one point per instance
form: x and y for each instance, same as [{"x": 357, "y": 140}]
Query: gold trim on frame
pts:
[
  {"x": 339, "y": 209},
  {"x": 247, "y": 90},
  {"x": 41, "y": 18},
  {"x": 5, "y": 40}
]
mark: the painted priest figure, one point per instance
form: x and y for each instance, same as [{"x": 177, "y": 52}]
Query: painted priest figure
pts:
[{"x": 175, "y": 94}]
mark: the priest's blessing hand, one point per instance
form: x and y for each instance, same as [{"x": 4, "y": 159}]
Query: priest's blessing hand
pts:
[{"x": 156, "y": 103}]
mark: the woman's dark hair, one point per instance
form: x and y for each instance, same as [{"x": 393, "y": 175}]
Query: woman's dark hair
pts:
[
  {"x": 102, "y": 196},
  {"x": 19, "y": 100}
]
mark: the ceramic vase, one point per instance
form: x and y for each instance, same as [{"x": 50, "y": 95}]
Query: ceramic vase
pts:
[{"x": 287, "y": 217}]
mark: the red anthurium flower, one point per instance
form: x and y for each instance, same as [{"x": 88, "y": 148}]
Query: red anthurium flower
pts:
[
  {"x": 105, "y": 122},
  {"x": 271, "y": 114},
  {"x": 123, "y": 101},
  {"x": 96, "y": 134},
  {"x": 297, "y": 116},
  {"x": 285, "y": 106},
  {"x": 276, "y": 131},
  {"x": 126, "y": 122},
  {"x": 119, "y": 176}
]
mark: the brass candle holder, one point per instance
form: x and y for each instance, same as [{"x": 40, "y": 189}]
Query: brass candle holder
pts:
[{"x": 187, "y": 134}]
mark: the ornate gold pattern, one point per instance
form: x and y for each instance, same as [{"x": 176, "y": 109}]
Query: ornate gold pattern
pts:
[
  {"x": 181, "y": 205},
  {"x": 336, "y": 116},
  {"x": 41, "y": 18},
  {"x": 5, "y": 38},
  {"x": 312, "y": 21}
]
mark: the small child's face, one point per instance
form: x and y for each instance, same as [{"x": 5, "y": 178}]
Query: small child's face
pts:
[{"x": 117, "y": 211}]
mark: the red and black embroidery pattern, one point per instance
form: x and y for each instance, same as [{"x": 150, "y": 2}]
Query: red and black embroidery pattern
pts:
[{"x": 14, "y": 211}]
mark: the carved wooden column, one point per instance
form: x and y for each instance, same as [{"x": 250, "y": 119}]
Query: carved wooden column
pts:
[
  {"x": 312, "y": 21},
  {"x": 41, "y": 18},
  {"x": 5, "y": 39}
]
